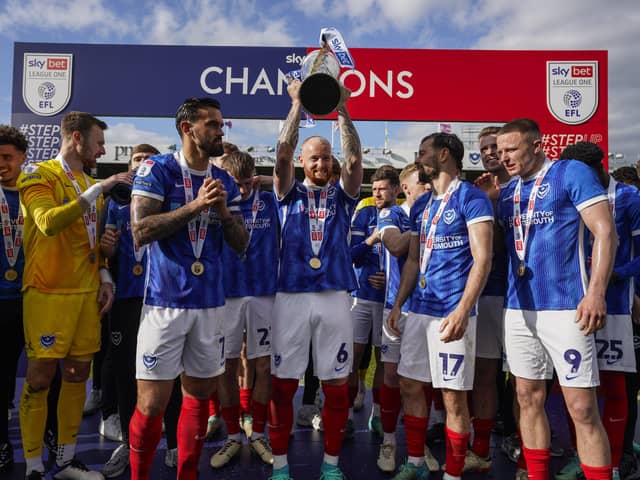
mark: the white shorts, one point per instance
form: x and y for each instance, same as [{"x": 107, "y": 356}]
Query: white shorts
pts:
[
  {"x": 426, "y": 358},
  {"x": 176, "y": 340},
  {"x": 250, "y": 314},
  {"x": 390, "y": 350},
  {"x": 490, "y": 327},
  {"x": 615, "y": 345},
  {"x": 322, "y": 318},
  {"x": 538, "y": 342},
  {"x": 367, "y": 318}
]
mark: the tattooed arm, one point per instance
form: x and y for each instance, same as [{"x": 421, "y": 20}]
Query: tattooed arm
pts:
[
  {"x": 351, "y": 148},
  {"x": 283, "y": 173},
  {"x": 149, "y": 223},
  {"x": 235, "y": 232}
]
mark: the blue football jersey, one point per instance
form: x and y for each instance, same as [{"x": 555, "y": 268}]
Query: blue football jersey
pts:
[
  {"x": 170, "y": 282},
  {"x": 627, "y": 217},
  {"x": 335, "y": 271},
  {"x": 371, "y": 260},
  {"x": 10, "y": 289},
  {"x": 128, "y": 284},
  {"x": 388, "y": 218},
  {"x": 555, "y": 257},
  {"x": 451, "y": 259},
  {"x": 253, "y": 273}
]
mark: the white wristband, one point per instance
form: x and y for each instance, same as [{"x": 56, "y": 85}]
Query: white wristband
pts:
[
  {"x": 105, "y": 276},
  {"x": 92, "y": 193}
]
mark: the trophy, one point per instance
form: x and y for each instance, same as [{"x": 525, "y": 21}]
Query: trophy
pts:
[{"x": 320, "y": 90}]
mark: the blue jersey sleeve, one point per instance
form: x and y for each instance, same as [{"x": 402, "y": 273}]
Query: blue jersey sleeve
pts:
[
  {"x": 111, "y": 215},
  {"x": 582, "y": 185},
  {"x": 359, "y": 230},
  {"x": 150, "y": 179},
  {"x": 477, "y": 207}
]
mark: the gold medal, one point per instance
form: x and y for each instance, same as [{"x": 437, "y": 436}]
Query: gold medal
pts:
[
  {"x": 315, "y": 263},
  {"x": 197, "y": 268},
  {"x": 11, "y": 275},
  {"x": 522, "y": 269},
  {"x": 137, "y": 269},
  {"x": 423, "y": 282},
  {"x": 92, "y": 257}
]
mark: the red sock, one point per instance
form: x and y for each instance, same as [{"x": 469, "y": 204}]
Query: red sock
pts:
[
  {"x": 597, "y": 473},
  {"x": 353, "y": 393},
  {"x": 259, "y": 414},
  {"x": 415, "y": 429},
  {"x": 481, "y": 435},
  {"x": 456, "y": 451},
  {"x": 144, "y": 435},
  {"x": 537, "y": 463},
  {"x": 281, "y": 413},
  {"x": 214, "y": 404},
  {"x": 192, "y": 428},
  {"x": 389, "y": 407},
  {"x": 614, "y": 416},
  {"x": 230, "y": 415},
  {"x": 334, "y": 416},
  {"x": 375, "y": 391},
  {"x": 522, "y": 462},
  {"x": 245, "y": 400}
]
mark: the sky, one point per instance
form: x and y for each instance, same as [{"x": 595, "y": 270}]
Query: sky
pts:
[{"x": 430, "y": 24}]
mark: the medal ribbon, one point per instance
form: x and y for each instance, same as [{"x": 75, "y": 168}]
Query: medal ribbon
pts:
[
  {"x": 90, "y": 217},
  {"x": 519, "y": 239},
  {"x": 11, "y": 244},
  {"x": 426, "y": 238},
  {"x": 317, "y": 218},
  {"x": 195, "y": 238},
  {"x": 611, "y": 194}
]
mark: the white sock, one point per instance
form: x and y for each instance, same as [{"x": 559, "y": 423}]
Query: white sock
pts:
[
  {"x": 65, "y": 453},
  {"x": 330, "y": 459},
  {"x": 417, "y": 461},
  {"x": 389, "y": 438},
  {"x": 34, "y": 463},
  {"x": 375, "y": 410},
  {"x": 256, "y": 435},
  {"x": 235, "y": 436},
  {"x": 279, "y": 461},
  {"x": 446, "y": 476}
]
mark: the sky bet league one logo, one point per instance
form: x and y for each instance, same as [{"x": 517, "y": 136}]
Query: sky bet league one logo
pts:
[
  {"x": 572, "y": 91},
  {"x": 46, "y": 82}
]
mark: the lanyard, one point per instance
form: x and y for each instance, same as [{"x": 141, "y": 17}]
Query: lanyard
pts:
[
  {"x": 195, "y": 238},
  {"x": 611, "y": 194},
  {"x": 426, "y": 238},
  {"x": 317, "y": 218},
  {"x": 11, "y": 244},
  {"x": 519, "y": 238},
  {"x": 90, "y": 217}
]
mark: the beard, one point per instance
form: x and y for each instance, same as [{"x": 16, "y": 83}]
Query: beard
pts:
[{"x": 213, "y": 148}]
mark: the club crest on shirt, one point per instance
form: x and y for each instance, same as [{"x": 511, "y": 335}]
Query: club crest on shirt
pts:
[
  {"x": 384, "y": 213},
  {"x": 149, "y": 361},
  {"x": 116, "y": 338},
  {"x": 47, "y": 341},
  {"x": 449, "y": 216},
  {"x": 543, "y": 190}
]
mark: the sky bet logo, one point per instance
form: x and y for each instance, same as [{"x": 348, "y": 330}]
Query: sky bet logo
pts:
[
  {"x": 51, "y": 63},
  {"x": 577, "y": 71},
  {"x": 294, "y": 58}
]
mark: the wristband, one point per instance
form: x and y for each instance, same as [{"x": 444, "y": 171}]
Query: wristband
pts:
[
  {"x": 92, "y": 193},
  {"x": 105, "y": 276}
]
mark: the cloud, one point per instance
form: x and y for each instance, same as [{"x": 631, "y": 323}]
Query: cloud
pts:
[
  {"x": 208, "y": 22},
  {"x": 126, "y": 133},
  {"x": 61, "y": 16}
]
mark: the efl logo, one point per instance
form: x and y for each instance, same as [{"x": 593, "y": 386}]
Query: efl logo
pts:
[
  {"x": 582, "y": 71},
  {"x": 57, "y": 63}
]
